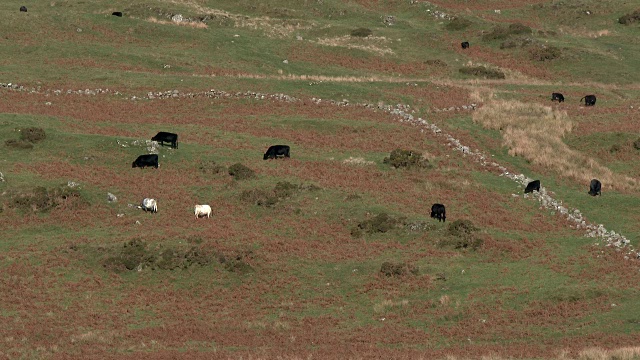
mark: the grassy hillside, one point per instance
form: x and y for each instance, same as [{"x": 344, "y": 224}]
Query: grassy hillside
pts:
[{"x": 331, "y": 253}]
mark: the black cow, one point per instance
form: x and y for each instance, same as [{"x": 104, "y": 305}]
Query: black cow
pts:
[
  {"x": 438, "y": 211},
  {"x": 146, "y": 160},
  {"x": 276, "y": 150},
  {"x": 23, "y": 8},
  {"x": 465, "y": 45},
  {"x": 557, "y": 96},
  {"x": 589, "y": 100},
  {"x": 163, "y": 137},
  {"x": 595, "y": 187},
  {"x": 534, "y": 185},
  {"x": 117, "y": 13}
]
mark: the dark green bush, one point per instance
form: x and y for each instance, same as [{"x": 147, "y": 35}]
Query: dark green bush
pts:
[
  {"x": 18, "y": 144},
  {"x": 41, "y": 199},
  {"x": 482, "y": 71},
  {"x": 544, "y": 53},
  {"x": 398, "y": 269},
  {"x": 406, "y": 159},
  {"x": 137, "y": 255},
  {"x": 241, "y": 172},
  {"x": 32, "y": 134},
  {"x": 636, "y": 144},
  {"x": 461, "y": 236},
  {"x": 457, "y": 24},
  {"x": 629, "y": 19},
  {"x": 361, "y": 32},
  {"x": 615, "y": 148},
  {"x": 381, "y": 223}
]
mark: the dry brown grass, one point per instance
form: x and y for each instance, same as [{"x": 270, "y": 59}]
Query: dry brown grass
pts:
[
  {"x": 535, "y": 132},
  {"x": 625, "y": 353},
  {"x": 193, "y": 24}
]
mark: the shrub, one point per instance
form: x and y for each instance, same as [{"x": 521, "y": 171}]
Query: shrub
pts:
[
  {"x": 458, "y": 23},
  {"x": 361, "y": 32},
  {"x": 636, "y": 144},
  {"x": 482, "y": 72},
  {"x": 379, "y": 224},
  {"x": 461, "y": 236},
  {"x": 501, "y": 32},
  {"x": 137, "y": 255},
  {"x": 41, "y": 199},
  {"x": 398, "y": 269},
  {"x": 241, "y": 172},
  {"x": 18, "y": 144},
  {"x": 406, "y": 159},
  {"x": 544, "y": 53},
  {"x": 629, "y": 19},
  {"x": 32, "y": 134}
]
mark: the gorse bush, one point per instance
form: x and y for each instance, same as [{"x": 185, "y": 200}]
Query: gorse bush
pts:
[
  {"x": 460, "y": 235},
  {"x": 137, "y": 255},
  {"x": 381, "y": 223},
  {"x": 629, "y": 19},
  {"x": 406, "y": 159},
  {"x": 32, "y": 134},
  {"x": 482, "y": 71},
  {"x": 544, "y": 53},
  {"x": 361, "y": 32},
  {"x": 211, "y": 168},
  {"x": 281, "y": 191},
  {"x": 241, "y": 172},
  {"x": 18, "y": 144},
  {"x": 42, "y": 199}
]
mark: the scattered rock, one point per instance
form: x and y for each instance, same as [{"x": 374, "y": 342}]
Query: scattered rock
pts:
[
  {"x": 111, "y": 197},
  {"x": 72, "y": 184}
]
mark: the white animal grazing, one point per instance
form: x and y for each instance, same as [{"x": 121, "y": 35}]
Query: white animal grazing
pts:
[
  {"x": 202, "y": 210},
  {"x": 149, "y": 205}
]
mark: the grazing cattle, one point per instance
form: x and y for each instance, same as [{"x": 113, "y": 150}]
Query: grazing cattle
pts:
[
  {"x": 595, "y": 188},
  {"x": 557, "y": 96},
  {"x": 465, "y": 45},
  {"x": 276, "y": 150},
  {"x": 146, "y": 160},
  {"x": 23, "y": 8},
  {"x": 534, "y": 185},
  {"x": 202, "y": 210},
  {"x": 168, "y": 137},
  {"x": 117, "y": 13},
  {"x": 149, "y": 205},
  {"x": 438, "y": 212},
  {"x": 589, "y": 100}
]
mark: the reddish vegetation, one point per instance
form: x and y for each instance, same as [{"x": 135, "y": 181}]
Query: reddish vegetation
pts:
[{"x": 281, "y": 309}]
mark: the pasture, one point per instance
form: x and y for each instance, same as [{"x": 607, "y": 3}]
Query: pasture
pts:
[{"x": 331, "y": 253}]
